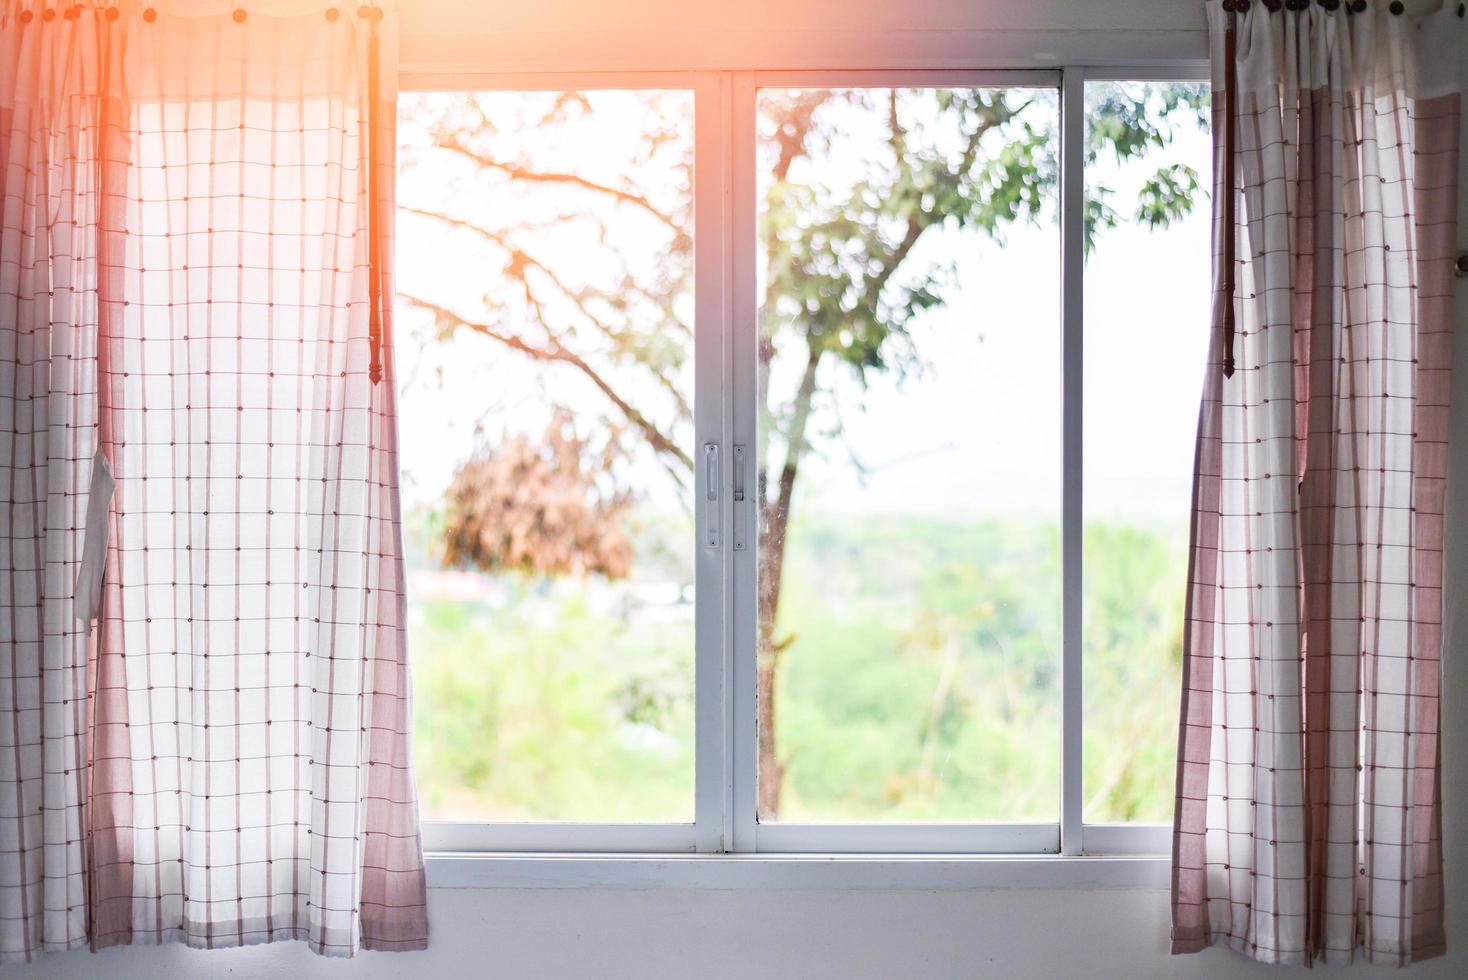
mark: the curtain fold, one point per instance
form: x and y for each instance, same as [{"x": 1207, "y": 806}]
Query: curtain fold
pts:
[
  {"x": 1308, "y": 824},
  {"x": 197, "y": 407}
]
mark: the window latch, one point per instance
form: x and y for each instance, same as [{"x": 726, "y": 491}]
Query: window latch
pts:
[
  {"x": 738, "y": 518},
  {"x": 711, "y": 494}
]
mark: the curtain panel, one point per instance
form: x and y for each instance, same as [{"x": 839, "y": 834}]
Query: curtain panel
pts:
[
  {"x": 1308, "y": 821},
  {"x": 204, "y": 694}
]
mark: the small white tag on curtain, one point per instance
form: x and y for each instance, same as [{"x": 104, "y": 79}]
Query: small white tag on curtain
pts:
[{"x": 94, "y": 542}]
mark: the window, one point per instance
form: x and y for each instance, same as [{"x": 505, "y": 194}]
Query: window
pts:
[
  {"x": 749, "y": 502},
  {"x": 1138, "y": 457},
  {"x": 907, "y": 469},
  {"x": 547, "y": 455}
]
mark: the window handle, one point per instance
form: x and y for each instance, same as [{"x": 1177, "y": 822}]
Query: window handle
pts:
[{"x": 711, "y": 494}]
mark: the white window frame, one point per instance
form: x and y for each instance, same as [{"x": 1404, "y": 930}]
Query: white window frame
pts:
[
  {"x": 725, "y": 845},
  {"x": 749, "y": 835}
]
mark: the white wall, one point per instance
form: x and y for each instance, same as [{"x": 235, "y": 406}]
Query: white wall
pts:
[
  {"x": 810, "y": 934},
  {"x": 472, "y": 17},
  {"x": 715, "y": 934},
  {"x": 691, "y": 34}
]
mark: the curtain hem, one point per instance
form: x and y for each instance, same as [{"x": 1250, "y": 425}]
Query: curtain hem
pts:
[{"x": 252, "y": 932}]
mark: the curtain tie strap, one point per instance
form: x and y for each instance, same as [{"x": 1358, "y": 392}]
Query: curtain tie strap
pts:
[
  {"x": 1230, "y": 219},
  {"x": 374, "y": 202},
  {"x": 88, "y": 593}
]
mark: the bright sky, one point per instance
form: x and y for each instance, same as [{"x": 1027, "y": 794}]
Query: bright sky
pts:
[{"x": 977, "y": 434}]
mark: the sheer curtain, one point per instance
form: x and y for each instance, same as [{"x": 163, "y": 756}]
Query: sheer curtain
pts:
[
  {"x": 204, "y": 721},
  {"x": 1308, "y": 823}
]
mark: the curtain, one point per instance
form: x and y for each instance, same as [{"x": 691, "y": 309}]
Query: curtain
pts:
[
  {"x": 1308, "y": 823},
  {"x": 204, "y": 696}
]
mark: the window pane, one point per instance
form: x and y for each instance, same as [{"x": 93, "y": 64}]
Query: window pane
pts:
[
  {"x": 1147, "y": 294},
  {"x": 909, "y": 429},
  {"x": 545, "y": 366}
]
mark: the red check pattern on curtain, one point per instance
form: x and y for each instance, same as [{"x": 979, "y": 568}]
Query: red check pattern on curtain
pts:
[
  {"x": 204, "y": 693},
  {"x": 1308, "y": 821}
]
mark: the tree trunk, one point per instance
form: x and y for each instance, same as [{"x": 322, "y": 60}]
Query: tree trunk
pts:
[
  {"x": 776, "y": 518},
  {"x": 771, "y": 773}
]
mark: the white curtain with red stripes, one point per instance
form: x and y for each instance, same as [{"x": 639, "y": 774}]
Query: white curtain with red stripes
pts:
[
  {"x": 204, "y": 697},
  {"x": 1308, "y": 822}
]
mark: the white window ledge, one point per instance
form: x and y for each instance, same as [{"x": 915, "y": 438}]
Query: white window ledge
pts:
[{"x": 795, "y": 872}]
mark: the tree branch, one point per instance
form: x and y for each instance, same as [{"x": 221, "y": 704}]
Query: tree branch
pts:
[
  {"x": 920, "y": 219},
  {"x": 521, "y": 260},
  {"x": 558, "y": 353},
  {"x": 516, "y": 172}
]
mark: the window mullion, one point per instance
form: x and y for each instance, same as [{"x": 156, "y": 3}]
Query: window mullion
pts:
[
  {"x": 712, "y": 804},
  {"x": 1072, "y": 238},
  {"x": 744, "y": 386}
]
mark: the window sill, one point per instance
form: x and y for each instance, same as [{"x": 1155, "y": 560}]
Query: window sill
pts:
[{"x": 809, "y": 872}]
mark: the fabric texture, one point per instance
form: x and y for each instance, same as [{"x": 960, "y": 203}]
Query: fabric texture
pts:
[
  {"x": 1308, "y": 824},
  {"x": 204, "y": 694}
]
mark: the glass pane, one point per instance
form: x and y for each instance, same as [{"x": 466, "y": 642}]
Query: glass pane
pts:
[
  {"x": 1147, "y": 295},
  {"x": 544, "y": 356},
  {"x": 909, "y": 470}
]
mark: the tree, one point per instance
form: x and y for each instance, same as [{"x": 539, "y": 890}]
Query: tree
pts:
[{"x": 841, "y": 291}]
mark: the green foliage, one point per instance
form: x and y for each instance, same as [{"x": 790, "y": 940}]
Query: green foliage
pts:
[
  {"x": 926, "y": 685},
  {"x": 1135, "y": 583},
  {"x": 1127, "y": 121},
  {"x": 983, "y": 159},
  {"x": 543, "y": 709},
  {"x": 839, "y": 275}
]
